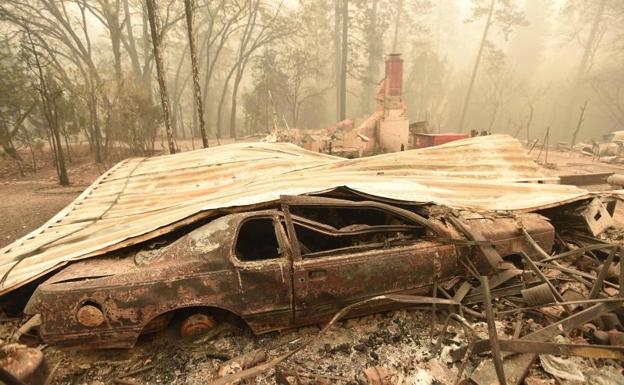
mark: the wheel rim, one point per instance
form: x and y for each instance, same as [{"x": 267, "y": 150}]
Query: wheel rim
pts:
[{"x": 196, "y": 324}]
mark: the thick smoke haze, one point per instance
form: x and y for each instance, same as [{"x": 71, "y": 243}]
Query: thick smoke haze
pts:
[{"x": 519, "y": 67}]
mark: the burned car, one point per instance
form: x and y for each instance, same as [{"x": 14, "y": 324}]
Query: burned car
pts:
[{"x": 291, "y": 265}]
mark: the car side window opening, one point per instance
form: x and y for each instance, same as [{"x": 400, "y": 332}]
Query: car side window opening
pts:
[
  {"x": 315, "y": 243},
  {"x": 257, "y": 240},
  {"x": 347, "y": 217}
]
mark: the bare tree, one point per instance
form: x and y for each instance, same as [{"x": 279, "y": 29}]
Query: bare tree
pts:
[
  {"x": 374, "y": 43},
  {"x": 529, "y": 121},
  {"x": 57, "y": 32},
  {"x": 343, "y": 60},
  {"x": 580, "y": 121},
  {"x": 160, "y": 72},
  {"x": 590, "y": 47},
  {"x": 17, "y": 103},
  {"x": 507, "y": 16},
  {"x": 188, "y": 9},
  {"x": 48, "y": 104},
  {"x": 222, "y": 22},
  {"x": 108, "y": 13},
  {"x": 337, "y": 55},
  {"x": 609, "y": 87},
  {"x": 129, "y": 41},
  {"x": 475, "y": 68},
  {"x": 302, "y": 72},
  {"x": 255, "y": 35}
]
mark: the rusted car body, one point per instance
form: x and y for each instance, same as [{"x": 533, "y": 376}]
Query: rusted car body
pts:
[{"x": 293, "y": 265}]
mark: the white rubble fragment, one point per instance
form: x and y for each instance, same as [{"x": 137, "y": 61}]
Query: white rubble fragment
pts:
[{"x": 564, "y": 368}]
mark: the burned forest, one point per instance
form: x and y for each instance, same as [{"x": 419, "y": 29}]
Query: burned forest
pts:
[{"x": 307, "y": 192}]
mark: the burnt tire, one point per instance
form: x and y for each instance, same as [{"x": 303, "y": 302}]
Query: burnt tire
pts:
[{"x": 196, "y": 324}]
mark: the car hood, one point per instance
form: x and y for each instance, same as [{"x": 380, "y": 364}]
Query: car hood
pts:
[{"x": 203, "y": 249}]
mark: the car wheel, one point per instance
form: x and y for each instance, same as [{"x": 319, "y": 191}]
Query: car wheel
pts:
[{"x": 196, "y": 324}]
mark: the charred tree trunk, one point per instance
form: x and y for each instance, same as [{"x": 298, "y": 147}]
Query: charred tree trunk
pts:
[
  {"x": 343, "y": 64},
  {"x": 160, "y": 73},
  {"x": 188, "y": 8},
  {"x": 32, "y": 155},
  {"x": 95, "y": 124},
  {"x": 8, "y": 133},
  {"x": 581, "y": 119},
  {"x": 373, "y": 58},
  {"x": 147, "y": 65},
  {"x": 51, "y": 118},
  {"x": 115, "y": 29},
  {"x": 588, "y": 51},
  {"x": 226, "y": 85},
  {"x": 237, "y": 80},
  {"x": 337, "y": 55},
  {"x": 195, "y": 124},
  {"x": 132, "y": 50},
  {"x": 475, "y": 69},
  {"x": 528, "y": 125},
  {"x": 68, "y": 147}
]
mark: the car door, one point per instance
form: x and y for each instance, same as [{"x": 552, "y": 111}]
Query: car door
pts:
[
  {"x": 263, "y": 272},
  {"x": 331, "y": 276}
]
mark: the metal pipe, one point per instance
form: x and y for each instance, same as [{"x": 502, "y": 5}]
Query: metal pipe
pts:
[
  {"x": 472, "y": 336},
  {"x": 601, "y": 276},
  {"x": 576, "y": 272},
  {"x": 581, "y": 250},
  {"x": 433, "y": 309},
  {"x": 464, "y": 308},
  {"x": 544, "y": 279},
  {"x": 494, "y": 343},
  {"x": 578, "y": 302}
]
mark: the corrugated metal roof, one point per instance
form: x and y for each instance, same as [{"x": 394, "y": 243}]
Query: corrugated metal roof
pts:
[{"x": 141, "y": 198}]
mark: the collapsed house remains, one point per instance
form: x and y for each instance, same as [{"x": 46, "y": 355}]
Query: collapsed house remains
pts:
[
  {"x": 386, "y": 130},
  {"x": 271, "y": 236}
]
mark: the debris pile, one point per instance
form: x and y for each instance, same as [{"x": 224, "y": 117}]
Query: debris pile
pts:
[
  {"x": 496, "y": 281},
  {"x": 565, "y": 310},
  {"x": 548, "y": 321}
]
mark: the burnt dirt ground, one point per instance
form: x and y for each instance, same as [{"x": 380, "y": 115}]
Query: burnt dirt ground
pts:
[{"x": 398, "y": 341}]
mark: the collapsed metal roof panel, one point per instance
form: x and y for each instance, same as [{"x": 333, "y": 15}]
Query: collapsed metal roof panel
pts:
[{"x": 142, "y": 198}]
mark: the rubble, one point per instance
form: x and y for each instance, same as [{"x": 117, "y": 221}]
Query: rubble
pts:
[
  {"x": 516, "y": 366},
  {"x": 21, "y": 365},
  {"x": 398, "y": 342},
  {"x": 552, "y": 266}
]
